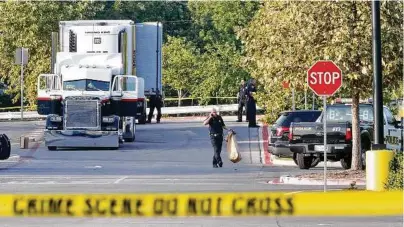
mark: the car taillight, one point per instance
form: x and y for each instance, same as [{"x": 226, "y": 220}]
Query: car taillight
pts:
[
  {"x": 281, "y": 130},
  {"x": 348, "y": 134},
  {"x": 290, "y": 133}
]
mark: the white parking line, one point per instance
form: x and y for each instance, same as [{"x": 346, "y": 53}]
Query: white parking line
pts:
[
  {"x": 120, "y": 179},
  {"x": 252, "y": 141},
  {"x": 291, "y": 193}
]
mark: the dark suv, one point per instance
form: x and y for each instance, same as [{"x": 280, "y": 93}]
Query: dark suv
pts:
[{"x": 279, "y": 132}]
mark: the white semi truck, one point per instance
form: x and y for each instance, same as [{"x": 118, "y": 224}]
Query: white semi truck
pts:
[{"x": 102, "y": 73}]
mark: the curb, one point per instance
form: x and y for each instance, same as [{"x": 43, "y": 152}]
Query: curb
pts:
[
  {"x": 305, "y": 181},
  {"x": 289, "y": 162},
  {"x": 267, "y": 157}
]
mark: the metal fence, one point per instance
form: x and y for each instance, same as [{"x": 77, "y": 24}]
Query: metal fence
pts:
[
  {"x": 181, "y": 110},
  {"x": 167, "y": 102}
]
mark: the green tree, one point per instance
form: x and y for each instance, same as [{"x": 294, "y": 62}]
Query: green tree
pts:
[
  {"x": 215, "y": 27},
  {"x": 286, "y": 38},
  {"x": 179, "y": 62},
  {"x": 174, "y": 16},
  {"x": 29, "y": 25}
]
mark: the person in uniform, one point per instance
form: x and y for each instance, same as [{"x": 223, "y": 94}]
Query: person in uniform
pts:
[
  {"x": 251, "y": 104},
  {"x": 241, "y": 98},
  {"x": 156, "y": 101},
  {"x": 216, "y": 126}
]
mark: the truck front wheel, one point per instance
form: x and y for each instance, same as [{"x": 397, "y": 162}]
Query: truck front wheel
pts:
[
  {"x": 346, "y": 162},
  {"x": 142, "y": 119},
  {"x": 304, "y": 162},
  {"x": 131, "y": 129}
]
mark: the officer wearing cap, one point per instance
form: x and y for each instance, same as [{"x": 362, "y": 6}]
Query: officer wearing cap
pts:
[
  {"x": 251, "y": 104},
  {"x": 216, "y": 126}
]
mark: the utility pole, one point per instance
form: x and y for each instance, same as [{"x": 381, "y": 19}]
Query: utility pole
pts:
[{"x": 377, "y": 77}]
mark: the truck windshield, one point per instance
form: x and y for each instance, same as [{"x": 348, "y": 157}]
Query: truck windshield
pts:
[
  {"x": 86, "y": 85},
  {"x": 343, "y": 113}
]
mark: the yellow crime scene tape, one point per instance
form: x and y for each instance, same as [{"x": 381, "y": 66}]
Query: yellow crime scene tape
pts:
[{"x": 344, "y": 203}]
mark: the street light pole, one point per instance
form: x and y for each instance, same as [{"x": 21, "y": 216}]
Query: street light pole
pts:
[{"x": 377, "y": 76}]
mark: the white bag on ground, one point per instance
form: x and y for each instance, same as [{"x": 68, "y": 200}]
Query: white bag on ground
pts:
[{"x": 232, "y": 147}]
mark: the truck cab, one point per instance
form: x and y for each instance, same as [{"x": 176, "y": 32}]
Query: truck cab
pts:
[{"x": 93, "y": 93}]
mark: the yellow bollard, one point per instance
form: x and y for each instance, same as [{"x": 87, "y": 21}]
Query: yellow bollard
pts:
[
  {"x": 401, "y": 111},
  {"x": 377, "y": 169}
]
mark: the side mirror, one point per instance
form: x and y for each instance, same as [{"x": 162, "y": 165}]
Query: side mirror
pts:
[{"x": 116, "y": 94}]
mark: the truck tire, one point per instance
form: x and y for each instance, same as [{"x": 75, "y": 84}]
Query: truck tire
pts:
[
  {"x": 129, "y": 140},
  {"x": 295, "y": 158},
  {"x": 315, "y": 162},
  {"x": 346, "y": 162},
  {"x": 364, "y": 147},
  {"x": 304, "y": 162},
  {"x": 52, "y": 148},
  {"x": 5, "y": 149},
  {"x": 142, "y": 119}
]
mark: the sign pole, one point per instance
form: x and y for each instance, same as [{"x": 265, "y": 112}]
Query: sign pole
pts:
[
  {"x": 21, "y": 59},
  {"x": 22, "y": 83},
  {"x": 305, "y": 99},
  {"x": 293, "y": 99},
  {"x": 325, "y": 140},
  {"x": 324, "y": 79},
  {"x": 312, "y": 107}
]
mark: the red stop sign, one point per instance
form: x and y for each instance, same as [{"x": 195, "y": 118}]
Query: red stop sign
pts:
[{"x": 324, "y": 78}]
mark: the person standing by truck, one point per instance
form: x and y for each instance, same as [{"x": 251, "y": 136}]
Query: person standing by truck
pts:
[
  {"x": 251, "y": 104},
  {"x": 156, "y": 101},
  {"x": 241, "y": 98}
]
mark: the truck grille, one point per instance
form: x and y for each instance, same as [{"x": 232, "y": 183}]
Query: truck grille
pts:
[{"x": 82, "y": 114}]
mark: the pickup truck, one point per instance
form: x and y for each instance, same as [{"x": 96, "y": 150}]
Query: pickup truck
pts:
[{"x": 306, "y": 139}]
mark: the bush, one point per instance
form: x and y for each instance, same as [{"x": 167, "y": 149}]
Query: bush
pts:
[{"x": 395, "y": 178}]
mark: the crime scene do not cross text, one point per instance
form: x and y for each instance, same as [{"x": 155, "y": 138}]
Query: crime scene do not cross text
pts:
[{"x": 180, "y": 205}]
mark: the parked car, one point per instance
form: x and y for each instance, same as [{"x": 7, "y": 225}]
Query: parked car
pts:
[
  {"x": 306, "y": 139},
  {"x": 5, "y": 147},
  {"x": 278, "y": 142}
]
